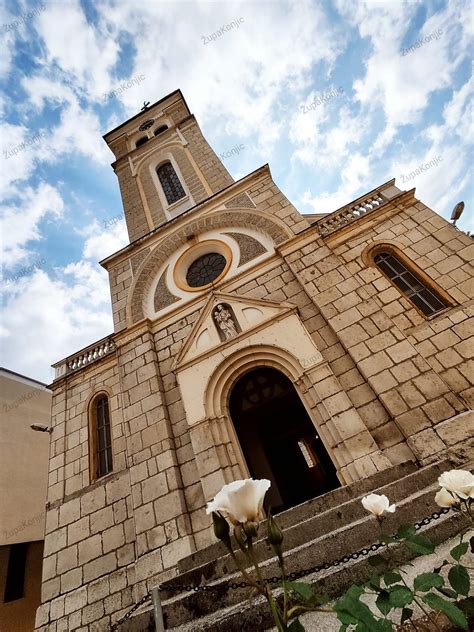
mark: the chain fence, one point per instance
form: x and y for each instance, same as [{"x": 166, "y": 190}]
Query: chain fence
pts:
[{"x": 232, "y": 585}]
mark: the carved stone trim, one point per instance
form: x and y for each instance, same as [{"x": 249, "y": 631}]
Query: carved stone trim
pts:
[
  {"x": 250, "y": 248},
  {"x": 163, "y": 297},
  {"x": 240, "y": 201},
  {"x": 137, "y": 259}
]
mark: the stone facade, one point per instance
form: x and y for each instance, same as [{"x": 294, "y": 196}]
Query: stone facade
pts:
[{"x": 381, "y": 382}]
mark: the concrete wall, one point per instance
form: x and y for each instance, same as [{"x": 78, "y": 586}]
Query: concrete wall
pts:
[{"x": 23, "y": 458}]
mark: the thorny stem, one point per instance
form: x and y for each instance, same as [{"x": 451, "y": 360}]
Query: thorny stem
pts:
[
  {"x": 285, "y": 590},
  {"x": 245, "y": 575}
]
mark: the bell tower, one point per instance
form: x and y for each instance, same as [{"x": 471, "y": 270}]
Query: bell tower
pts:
[{"x": 164, "y": 164}]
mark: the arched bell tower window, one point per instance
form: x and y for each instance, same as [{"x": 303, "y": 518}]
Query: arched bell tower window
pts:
[
  {"x": 426, "y": 299},
  {"x": 172, "y": 187},
  {"x": 141, "y": 141},
  {"x": 160, "y": 130},
  {"x": 100, "y": 437}
]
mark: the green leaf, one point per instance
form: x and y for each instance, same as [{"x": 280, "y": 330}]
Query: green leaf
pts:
[
  {"x": 400, "y": 596},
  {"x": 345, "y": 617},
  {"x": 305, "y": 591},
  {"x": 406, "y": 530},
  {"x": 426, "y": 581},
  {"x": 447, "y": 592},
  {"x": 383, "y": 603},
  {"x": 459, "y": 579},
  {"x": 454, "y": 614},
  {"x": 343, "y": 627},
  {"x": 382, "y": 625},
  {"x": 374, "y": 582},
  {"x": 391, "y": 578},
  {"x": 467, "y": 606},
  {"x": 406, "y": 614},
  {"x": 420, "y": 544},
  {"x": 459, "y": 551},
  {"x": 349, "y": 604},
  {"x": 376, "y": 560},
  {"x": 296, "y": 626}
]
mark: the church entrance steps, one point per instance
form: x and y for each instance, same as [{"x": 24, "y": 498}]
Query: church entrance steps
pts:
[
  {"x": 253, "y": 614},
  {"x": 320, "y": 531},
  {"x": 322, "y": 503}
]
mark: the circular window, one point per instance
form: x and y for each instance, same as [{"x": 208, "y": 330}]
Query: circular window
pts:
[{"x": 205, "y": 269}]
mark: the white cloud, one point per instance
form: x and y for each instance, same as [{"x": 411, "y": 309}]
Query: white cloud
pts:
[
  {"x": 104, "y": 239},
  {"x": 45, "y": 320},
  {"x": 20, "y": 222}
]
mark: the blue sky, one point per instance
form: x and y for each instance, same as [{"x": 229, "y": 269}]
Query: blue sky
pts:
[{"x": 396, "y": 77}]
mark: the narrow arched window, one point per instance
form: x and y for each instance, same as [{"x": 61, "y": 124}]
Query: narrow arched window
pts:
[
  {"x": 410, "y": 284},
  {"x": 161, "y": 129},
  {"x": 172, "y": 187},
  {"x": 100, "y": 438},
  {"x": 141, "y": 141}
]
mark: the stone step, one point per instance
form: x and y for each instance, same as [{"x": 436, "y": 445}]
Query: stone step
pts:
[
  {"x": 314, "y": 506},
  {"x": 254, "y": 614},
  {"x": 188, "y": 606},
  {"x": 315, "y": 522}
]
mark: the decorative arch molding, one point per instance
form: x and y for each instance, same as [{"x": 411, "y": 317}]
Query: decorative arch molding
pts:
[
  {"x": 165, "y": 248},
  {"x": 158, "y": 157},
  {"x": 220, "y": 383}
]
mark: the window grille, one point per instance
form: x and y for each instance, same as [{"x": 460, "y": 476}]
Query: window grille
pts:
[
  {"x": 169, "y": 180},
  {"x": 409, "y": 284}
]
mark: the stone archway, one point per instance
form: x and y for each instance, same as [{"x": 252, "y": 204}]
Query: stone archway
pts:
[
  {"x": 278, "y": 439},
  {"x": 271, "y": 226}
]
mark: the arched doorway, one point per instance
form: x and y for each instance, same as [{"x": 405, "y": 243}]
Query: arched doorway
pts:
[{"x": 279, "y": 440}]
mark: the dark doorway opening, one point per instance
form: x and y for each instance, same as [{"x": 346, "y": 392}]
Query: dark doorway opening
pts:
[{"x": 278, "y": 439}]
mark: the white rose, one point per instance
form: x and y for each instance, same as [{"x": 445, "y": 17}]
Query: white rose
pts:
[
  {"x": 241, "y": 501},
  {"x": 377, "y": 504},
  {"x": 458, "y": 482},
  {"x": 444, "y": 499}
]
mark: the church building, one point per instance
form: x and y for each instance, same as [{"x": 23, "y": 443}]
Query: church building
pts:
[{"x": 317, "y": 351}]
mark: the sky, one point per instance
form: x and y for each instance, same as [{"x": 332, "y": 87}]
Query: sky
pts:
[{"x": 338, "y": 97}]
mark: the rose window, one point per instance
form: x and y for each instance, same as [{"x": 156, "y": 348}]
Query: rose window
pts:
[{"x": 205, "y": 269}]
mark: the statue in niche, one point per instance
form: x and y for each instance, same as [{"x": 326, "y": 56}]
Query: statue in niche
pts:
[{"x": 224, "y": 320}]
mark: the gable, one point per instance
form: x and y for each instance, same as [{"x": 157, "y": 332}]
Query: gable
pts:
[{"x": 225, "y": 318}]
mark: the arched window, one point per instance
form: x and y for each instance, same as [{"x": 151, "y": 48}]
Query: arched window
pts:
[
  {"x": 141, "y": 141},
  {"x": 409, "y": 283},
  {"x": 100, "y": 438},
  {"x": 161, "y": 129},
  {"x": 172, "y": 187}
]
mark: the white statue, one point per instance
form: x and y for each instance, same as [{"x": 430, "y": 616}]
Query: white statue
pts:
[{"x": 225, "y": 321}]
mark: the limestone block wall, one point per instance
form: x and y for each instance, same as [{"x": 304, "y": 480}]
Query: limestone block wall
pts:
[
  {"x": 89, "y": 547},
  {"x": 214, "y": 171},
  {"x": 377, "y": 326}
]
